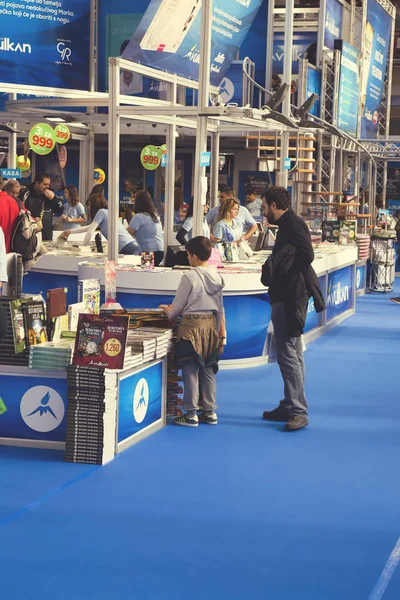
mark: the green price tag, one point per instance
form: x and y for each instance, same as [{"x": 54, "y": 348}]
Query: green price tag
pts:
[
  {"x": 3, "y": 407},
  {"x": 150, "y": 157},
  {"x": 62, "y": 134},
  {"x": 42, "y": 138}
]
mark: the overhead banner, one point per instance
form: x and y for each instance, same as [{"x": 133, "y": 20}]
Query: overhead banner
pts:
[
  {"x": 45, "y": 43},
  {"x": 313, "y": 86},
  {"x": 168, "y": 36},
  {"x": 349, "y": 88},
  {"x": 377, "y": 41},
  {"x": 333, "y": 29}
]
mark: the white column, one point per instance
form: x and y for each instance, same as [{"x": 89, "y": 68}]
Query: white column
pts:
[
  {"x": 287, "y": 78},
  {"x": 270, "y": 44},
  {"x": 204, "y": 95},
  {"x": 215, "y": 146},
  {"x": 169, "y": 236},
  {"x": 114, "y": 126}
]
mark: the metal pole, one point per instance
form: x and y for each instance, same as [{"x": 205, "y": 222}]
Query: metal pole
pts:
[
  {"x": 215, "y": 146},
  {"x": 93, "y": 45},
  {"x": 169, "y": 236},
  {"x": 200, "y": 189},
  {"x": 12, "y": 142},
  {"x": 287, "y": 78},
  {"x": 270, "y": 44},
  {"x": 114, "y": 130},
  {"x": 321, "y": 31}
]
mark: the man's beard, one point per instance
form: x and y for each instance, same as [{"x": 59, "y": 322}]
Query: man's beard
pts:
[{"x": 270, "y": 217}]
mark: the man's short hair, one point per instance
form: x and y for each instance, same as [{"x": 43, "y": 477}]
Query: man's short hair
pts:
[
  {"x": 280, "y": 196},
  {"x": 40, "y": 176},
  {"x": 228, "y": 192},
  {"x": 200, "y": 246},
  {"x": 250, "y": 192},
  {"x": 9, "y": 185}
]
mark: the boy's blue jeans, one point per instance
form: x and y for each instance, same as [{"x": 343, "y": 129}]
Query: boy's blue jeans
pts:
[{"x": 200, "y": 388}]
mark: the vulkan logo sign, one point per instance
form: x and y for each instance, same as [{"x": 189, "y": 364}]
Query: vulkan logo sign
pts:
[{"x": 6, "y": 45}]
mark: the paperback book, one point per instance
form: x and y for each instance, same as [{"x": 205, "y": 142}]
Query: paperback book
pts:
[{"x": 101, "y": 341}]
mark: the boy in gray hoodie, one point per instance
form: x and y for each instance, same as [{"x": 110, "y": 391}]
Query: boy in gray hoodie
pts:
[{"x": 201, "y": 333}]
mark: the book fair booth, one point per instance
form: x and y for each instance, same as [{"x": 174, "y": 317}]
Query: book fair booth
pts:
[{"x": 86, "y": 318}]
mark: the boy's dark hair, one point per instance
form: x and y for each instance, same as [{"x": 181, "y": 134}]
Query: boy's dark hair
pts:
[
  {"x": 40, "y": 176},
  {"x": 280, "y": 196},
  {"x": 200, "y": 246}
]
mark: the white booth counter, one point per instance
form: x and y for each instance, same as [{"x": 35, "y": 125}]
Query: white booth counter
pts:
[{"x": 246, "y": 300}]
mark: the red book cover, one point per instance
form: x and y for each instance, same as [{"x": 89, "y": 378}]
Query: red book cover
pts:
[{"x": 101, "y": 341}]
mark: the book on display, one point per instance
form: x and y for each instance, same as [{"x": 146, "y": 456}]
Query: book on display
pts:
[
  {"x": 170, "y": 25},
  {"x": 35, "y": 322},
  {"x": 18, "y": 326},
  {"x": 101, "y": 341},
  {"x": 89, "y": 294}
]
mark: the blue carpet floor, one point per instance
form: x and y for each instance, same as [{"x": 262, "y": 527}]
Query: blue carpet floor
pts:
[{"x": 237, "y": 511}]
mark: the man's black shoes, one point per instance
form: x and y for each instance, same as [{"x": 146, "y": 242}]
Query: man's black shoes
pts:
[
  {"x": 296, "y": 422},
  {"x": 279, "y": 415}
]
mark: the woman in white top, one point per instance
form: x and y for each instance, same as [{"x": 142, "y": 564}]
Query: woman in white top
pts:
[
  {"x": 98, "y": 210},
  {"x": 74, "y": 212},
  {"x": 227, "y": 228},
  {"x": 185, "y": 233},
  {"x": 146, "y": 226}
]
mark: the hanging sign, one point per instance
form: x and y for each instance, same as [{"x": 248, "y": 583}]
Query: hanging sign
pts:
[
  {"x": 23, "y": 164},
  {"x": 62, "y": 134},
  {"x": 150, "y": 157},
  {"x": 99, "y": 176},
  {"x": 205, "y": 159},
  {"x": 42, "y": 139},
  {"x": 62, "y": 157},
  {"x": 10, "y": 173}
]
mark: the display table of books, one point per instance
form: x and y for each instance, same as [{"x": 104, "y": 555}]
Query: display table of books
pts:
[{"x": 93, "y": 392}]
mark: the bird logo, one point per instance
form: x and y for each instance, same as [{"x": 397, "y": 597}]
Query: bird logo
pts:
[
  {"x": 42, "y": 409},
  {"x": 141, "y": 400}
]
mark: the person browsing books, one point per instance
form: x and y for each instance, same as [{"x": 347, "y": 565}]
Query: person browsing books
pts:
[
  {"x": 98, "y": 209},
  {"x": 74, "y": 213},
  {"x": 201, "y": 333},
  {"x": 185, "y": 233},
  {"x": 146, "y": 226},
  {"x": 42, "y": 203}
]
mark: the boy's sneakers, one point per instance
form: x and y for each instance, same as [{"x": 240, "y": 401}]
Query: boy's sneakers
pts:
[
  {"x": 209, "y": 418},
  {"x": 395, "y": 300},
  {"x": 187, "y": 421}
]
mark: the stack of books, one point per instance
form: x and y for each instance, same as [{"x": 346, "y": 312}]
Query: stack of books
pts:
[
  {"x": 51, "y": 356},
  {"x": 91, "y": 415},
  {"x": 140, "y": 343},
  {"x": 13, "y": 353},
  {"x": 174, "y": 382},
  {"x": 133, "y": 358}
]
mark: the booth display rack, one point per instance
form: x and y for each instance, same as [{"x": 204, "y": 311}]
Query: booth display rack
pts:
[{"x": 383, "y": 260}]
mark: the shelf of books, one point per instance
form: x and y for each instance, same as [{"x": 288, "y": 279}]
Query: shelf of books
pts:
[{"x": 87, "y": 382}]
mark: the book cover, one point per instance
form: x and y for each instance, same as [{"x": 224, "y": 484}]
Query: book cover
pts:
[
  {"x": 56, "y": 301},
  {"x": 60, "y": 325},
  {"x": 101, "y": 341},
  {"x": 89, "y": 294},
  {"x": 18, "y": 326},
  {"x": 74, "y": 310},
  {"x": 147, "y": 260},
  {"x": 35, "y": 322},
  {"x": 330, "y": 231},
  {"x": 347, "y": 233}
]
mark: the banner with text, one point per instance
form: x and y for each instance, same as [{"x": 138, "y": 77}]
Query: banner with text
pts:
[
  {"x": 349, "y": 88},
  {"x": 168, "y": 36},
  {"x": 377, "y": 40},
  {"x": 45, "y": 43},
  {"x": 333, "y": 22}
]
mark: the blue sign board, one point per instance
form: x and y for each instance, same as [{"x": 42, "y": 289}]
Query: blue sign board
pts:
[
  {"x": 333, "y": 22},
  {"x": 205, "y": 159},
  {"x": 287, "y": 163},
  {"x": 164, "y": 160},
  {"x": 36, "y": 408},
  {"x": 46, "y": 43},
  {"x": 301, "y": 41},
  {"x": 312, "y": 320},
  {"x": 377, "y": 39},
  {"x": 10, "y": 173},
  {"x": 231, "y": 87},
  {"x": 340, "y": 292},
  {"x": 168, "y": 36},
  {"x": 349, "y": 89},
  {"x": 314, "y": 87},
  {"x": 361, "y": 277},
  {"x": 140, "y": 401}
]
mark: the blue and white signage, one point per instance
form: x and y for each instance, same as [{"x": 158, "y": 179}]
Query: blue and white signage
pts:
[
  {"x": 34, "y": 412},
  {"x": 205, "y": 159},
  {"x": 301, "y": 42},
  {"x": 361, "y": 277},
  {"x": 333, "y": 22},
  {"x": 287, "y": 163},
  {"x": 168, "y": 36},
  {"x": 231, "y": 87},
  {"x": 349, "y": 89},
  {"x": 45, "y": 43},
  {"x": 10, "y": 173},
  {"x": 314, "y": 87},
  {"x": 312, "y": 319},
  {"x": 140, "y": 401},
  {"x": 340, "y": 292},
  {"x": 377, "y": 40}
]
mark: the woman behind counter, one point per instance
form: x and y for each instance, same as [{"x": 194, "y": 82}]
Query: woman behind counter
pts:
[
  {"x": 185, "y": 233},
  {"x": 227, "y": 229},
  {"x": 146, "y": 226},
  {"x": 98, "y": 210},
  {"x": 74, "y": 212}
]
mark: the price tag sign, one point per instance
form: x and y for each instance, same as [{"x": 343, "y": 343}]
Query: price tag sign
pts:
[
  {"x": 150, "y": 157},
  {"x": 62, "y": 134},
  {"x": 113, "y": 347},
  {"x": 42, "y": 139},
  {"x": 99, "y": 176},
  {"x": 22, "y": 164}
]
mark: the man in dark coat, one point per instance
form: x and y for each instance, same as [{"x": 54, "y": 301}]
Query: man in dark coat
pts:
[
  {"x": 291, "y": 281},
  {"x": 42, "y": 202}
]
